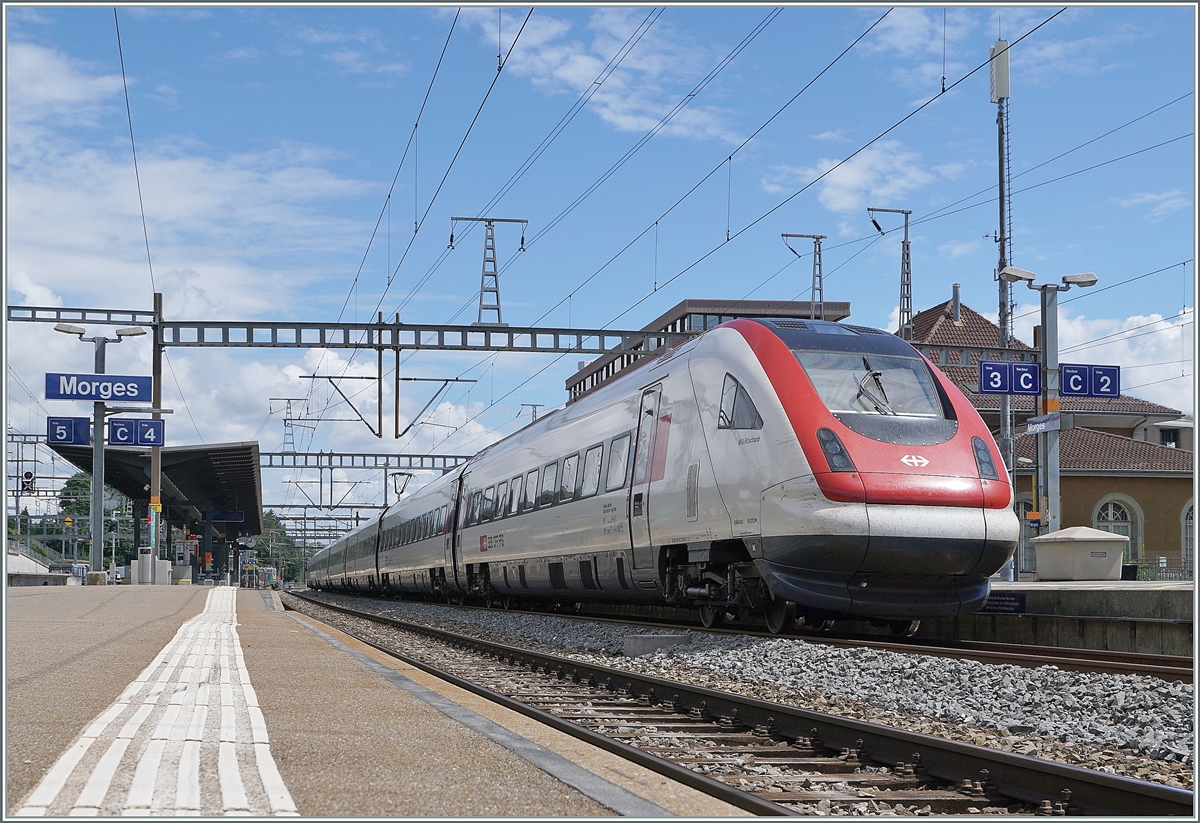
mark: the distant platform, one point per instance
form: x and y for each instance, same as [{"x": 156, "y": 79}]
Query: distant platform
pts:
[{"x": 1143, "y": 616}]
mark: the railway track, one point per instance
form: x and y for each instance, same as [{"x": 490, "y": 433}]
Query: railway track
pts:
[
  {"x": 1097, "y": 661},
  {"x": 764, "y": 757}
]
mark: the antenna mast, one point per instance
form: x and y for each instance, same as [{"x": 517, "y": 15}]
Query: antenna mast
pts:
[{"x": 999, "y": 96}]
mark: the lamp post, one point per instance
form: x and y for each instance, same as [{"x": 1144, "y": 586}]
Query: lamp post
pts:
[
  {"x": 1048, "y": 474},
  {"x": 96, "y": 517}
]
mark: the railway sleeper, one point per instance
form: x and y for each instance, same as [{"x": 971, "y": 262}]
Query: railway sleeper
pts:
[{"x": 939, "y": 801}]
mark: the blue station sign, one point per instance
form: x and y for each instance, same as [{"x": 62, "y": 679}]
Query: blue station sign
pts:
[
  {"x": 99, "y": 387},
  {"x": 1080, "y": 380},
  {"x": 1002, "y": 377},
  {"x": 68, "y": 431},
  {"x": 124, "y": 431}
]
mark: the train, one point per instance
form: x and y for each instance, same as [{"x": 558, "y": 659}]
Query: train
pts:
[{"x": 793, "y": 469}]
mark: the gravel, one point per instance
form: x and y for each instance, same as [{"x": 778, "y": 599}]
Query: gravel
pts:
[{"x": 1126, "y": 724}]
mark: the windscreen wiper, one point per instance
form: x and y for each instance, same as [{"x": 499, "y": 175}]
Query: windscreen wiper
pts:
[{"x": 881, "y": 405}]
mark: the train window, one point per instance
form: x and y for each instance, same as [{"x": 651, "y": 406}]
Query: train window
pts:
[
  {"x": 514, "y": 494},
  {"x": 737, "y": 409},
  {"x": 489, "y": 498},
  {"x": 618, "y": 463},
  {"x": 872, "y": 383},
  {"x": 549, "y": 478},
  {"x": 501, "y": 499},
  {"x": 425, "y": 530},
  {"x": 566, "y": 487},
  {"x": 441, "y": 524},
  {"x": 531, "y": 480},
  {"x": 473, "y": 510},
  {"x": 591, "y": 471}
]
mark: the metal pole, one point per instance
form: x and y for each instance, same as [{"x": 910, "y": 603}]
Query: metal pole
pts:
[
  {"x": 96, "y": 524},
  {"x": 1006, "y": 437},
  {"x": 155, "y": 451},
  {"x": 906, "y": 326},
  {"x": 1050, "y": 399}
]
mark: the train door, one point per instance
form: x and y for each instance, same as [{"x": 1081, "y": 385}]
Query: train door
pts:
[
  {"x": 453, "y": 534},
  {"x": 639, "y": 489}
]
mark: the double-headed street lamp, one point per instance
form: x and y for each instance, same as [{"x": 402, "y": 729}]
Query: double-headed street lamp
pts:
[
  {"x": 1048, "y": 441},
  {"x": 96, "y": 520}
]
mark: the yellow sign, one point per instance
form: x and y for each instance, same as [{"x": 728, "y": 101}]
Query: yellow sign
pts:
[
  {"x": 156, "y": 506},
  {"x": 68, "y": 522}
]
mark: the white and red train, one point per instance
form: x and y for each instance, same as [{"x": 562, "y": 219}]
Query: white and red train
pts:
[{"x": 787, "y": 467}]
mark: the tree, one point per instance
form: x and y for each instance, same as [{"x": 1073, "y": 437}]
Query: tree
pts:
[{"x": 75, "y": 498}]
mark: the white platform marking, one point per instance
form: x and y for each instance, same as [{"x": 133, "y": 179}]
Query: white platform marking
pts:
[{"x": 194, "y": 701}]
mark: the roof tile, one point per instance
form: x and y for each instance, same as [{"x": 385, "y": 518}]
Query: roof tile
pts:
[{"x": 1090, "y": 450}]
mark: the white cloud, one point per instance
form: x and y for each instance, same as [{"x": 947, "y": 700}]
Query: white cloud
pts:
[
  {"x": 835, "y": 134},
  {"x": 651, "y": 80},
  {"x": 1153, "y": 351},
  {"x": 35, "y": 294},
  {"x": 958, "y": 248},
  {"x": 46, "y": 85},
  {"x": 926, "y": 37},
  {"x": 1164, "y": 202},
  {"x": 882, "y": 173}
]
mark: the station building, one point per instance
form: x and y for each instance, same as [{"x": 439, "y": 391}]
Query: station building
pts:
[{"x": 1125, "y": 467}]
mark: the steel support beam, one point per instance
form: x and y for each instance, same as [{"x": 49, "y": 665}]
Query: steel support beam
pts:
[{"x": 342, "y": 460}]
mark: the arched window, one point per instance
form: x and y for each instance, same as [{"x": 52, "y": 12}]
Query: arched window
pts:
[
  {"x": 1188, "y": 541},
  {"x": 1119, "y": 514}
]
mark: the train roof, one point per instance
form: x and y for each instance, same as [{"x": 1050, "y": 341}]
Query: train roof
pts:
[{"x": 823, "y": 335}]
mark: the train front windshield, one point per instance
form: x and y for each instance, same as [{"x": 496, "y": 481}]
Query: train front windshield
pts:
[{"x": 872, "y": 384}]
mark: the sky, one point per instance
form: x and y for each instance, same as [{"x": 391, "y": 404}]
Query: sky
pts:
[{"x": 285, "y": 156}]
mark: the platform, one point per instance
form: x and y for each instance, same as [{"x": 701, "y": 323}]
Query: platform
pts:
[
  {"x": 1144, "y": 616},
  {"x": 149, "y": 700}
]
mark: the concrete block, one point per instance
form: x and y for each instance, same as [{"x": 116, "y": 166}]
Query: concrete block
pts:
[
  {"x": 637, "y": 645},
  {"x": 97, "y": 578}
]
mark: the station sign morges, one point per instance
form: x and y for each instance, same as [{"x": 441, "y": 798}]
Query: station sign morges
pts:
[{"x": 98, "y": 387}]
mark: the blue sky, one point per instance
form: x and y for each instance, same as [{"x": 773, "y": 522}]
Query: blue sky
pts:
[{"x": 268, "y": 139}]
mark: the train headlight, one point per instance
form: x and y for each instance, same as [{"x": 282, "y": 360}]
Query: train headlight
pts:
[
  {"x": 983, "y": 459},
  {"x": 835, "y": 452}
]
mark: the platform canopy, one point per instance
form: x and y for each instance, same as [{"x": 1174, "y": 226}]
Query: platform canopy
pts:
[{"x": 223, "y": 476}]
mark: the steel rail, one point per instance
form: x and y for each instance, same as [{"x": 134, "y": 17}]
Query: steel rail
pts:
[
  {"x": 1091, "y": 661},
  {"x": 674, "y": 771},
  {"x": 1016, "y": 776}
]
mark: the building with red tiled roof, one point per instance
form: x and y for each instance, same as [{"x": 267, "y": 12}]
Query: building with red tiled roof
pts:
[{"x": 1126, "y": 465}]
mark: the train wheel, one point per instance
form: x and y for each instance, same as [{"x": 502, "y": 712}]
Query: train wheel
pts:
[
  {"x": 506, "y": 602},
  {"x": 711, "y": 616},
  {"x": 904, "y": 628},
  {"x": 781, "y": 616}
]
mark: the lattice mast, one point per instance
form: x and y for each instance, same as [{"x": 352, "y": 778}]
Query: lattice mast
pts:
[
  {"x": 489, "y": 280},
  {"x": 816, "y": 305},
  {"x": 906, "y": 310}
]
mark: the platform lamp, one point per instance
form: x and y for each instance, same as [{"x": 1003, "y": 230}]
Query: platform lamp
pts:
[
  {"x": 1048, "y": 473},
  {"x": 96, "y": 515}
]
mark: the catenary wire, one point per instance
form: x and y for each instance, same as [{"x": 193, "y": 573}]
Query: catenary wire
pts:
[
  {"x": 795, "y": 194},
  {"x": 715, "y": 169},
  {"x": 563, "y": 122},
  {"x": 133, "y": 147}
]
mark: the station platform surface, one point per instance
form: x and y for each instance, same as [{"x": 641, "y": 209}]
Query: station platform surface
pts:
[{"x": 150, "y": 700}]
